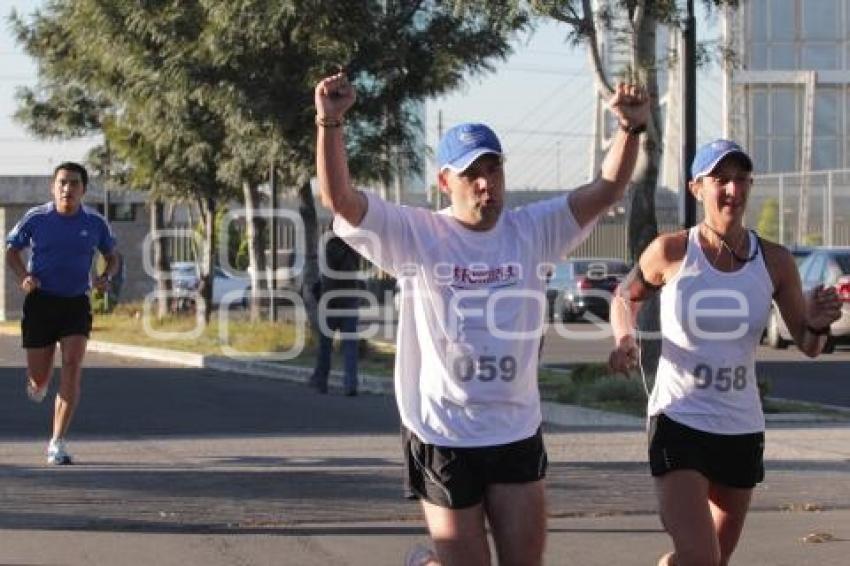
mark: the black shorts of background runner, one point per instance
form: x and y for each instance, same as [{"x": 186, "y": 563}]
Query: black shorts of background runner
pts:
[
  {"x": 733, "y": 460},
  {"x": 458, "y": 477},
  {"x": 49, "y": 318}
]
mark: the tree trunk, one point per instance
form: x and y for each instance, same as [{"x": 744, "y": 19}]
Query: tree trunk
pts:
[
  {"x": 310, "y": 276},
  {"x": 255, "y": 229},
  {"x": 204, "y": 307},
  {"x": 160, "y": 259},
  {"x": 642, "y": 221}
]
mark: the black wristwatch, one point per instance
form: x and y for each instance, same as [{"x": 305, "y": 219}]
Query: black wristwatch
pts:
[{"x": 633, "y": 130}]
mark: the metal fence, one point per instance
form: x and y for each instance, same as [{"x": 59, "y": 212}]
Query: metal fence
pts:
[
  {"x": 611, "y": 240},
  {"x": 802, "y": 208},
  {"x": 793, "y": 209},
  {"x": 789, "y": 208}
]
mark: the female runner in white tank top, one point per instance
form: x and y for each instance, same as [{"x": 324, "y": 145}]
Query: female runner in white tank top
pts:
[{"x": 706, "y": 424}]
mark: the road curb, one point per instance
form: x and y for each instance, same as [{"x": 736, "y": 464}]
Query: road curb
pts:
[
  {"x": 254, "y": 367},
  {"x": 558, "y": 414},
  {"x": 553, "y": 413}
]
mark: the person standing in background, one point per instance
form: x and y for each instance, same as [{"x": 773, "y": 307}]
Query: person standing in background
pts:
[{"x": 337, "y": 308}]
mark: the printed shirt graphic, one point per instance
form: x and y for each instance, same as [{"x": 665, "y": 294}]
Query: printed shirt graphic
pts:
[
  {"x": 470, "y": 317},
  {"x": 62, "y": 247},
  {"x": 711, "y": 322}
]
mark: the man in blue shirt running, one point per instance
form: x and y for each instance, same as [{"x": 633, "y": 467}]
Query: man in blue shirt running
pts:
[{"x": 63, "y": 236}]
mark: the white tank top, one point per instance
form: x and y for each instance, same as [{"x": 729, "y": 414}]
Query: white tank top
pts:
[{"x": 711, "y": 322}]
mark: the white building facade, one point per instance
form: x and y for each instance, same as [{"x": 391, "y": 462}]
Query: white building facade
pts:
[{"x": 787, "y": 99}]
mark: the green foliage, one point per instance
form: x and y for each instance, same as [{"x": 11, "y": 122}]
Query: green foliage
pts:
[
  {"x": 195, "y": 98},
  {"x": 100, "y": 304},
  {"x": 197, "y": 95},
  {"x": 764, "y": 386},
  {"x": 592, "y": 385},
  {"x": 587, "y": 373},
  {"x": 813, "y": 239},
  {"x": 768, "y": 223},
  {"x": 615, "y": 388},
  {"x": 237, "y": 243},
  {"x": 607, "y": 392}
]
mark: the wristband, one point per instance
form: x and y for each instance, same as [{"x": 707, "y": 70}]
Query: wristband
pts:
[
  {"x": 633, "y": 130},
  {"x": 818, "y": 331},
  {"x": 325, "y": 122}
]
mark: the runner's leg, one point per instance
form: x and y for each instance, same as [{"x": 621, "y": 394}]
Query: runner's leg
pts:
[
  {"x": 73, "y": 352},
  {"x": 729, "y": 508},
  {"x": 517, "y": 516},
  {"x": 685, "y": 513},
  {"x": 459, "y": 535},
  {"x": 40, "y": 364}
]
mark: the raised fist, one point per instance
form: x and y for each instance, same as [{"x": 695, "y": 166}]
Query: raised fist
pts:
[{"x": 334, "y": 96}]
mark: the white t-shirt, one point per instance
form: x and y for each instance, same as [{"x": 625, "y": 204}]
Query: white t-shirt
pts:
[
  {"x": 711, "y": 323},
  {"x": 470, "y": 316}
]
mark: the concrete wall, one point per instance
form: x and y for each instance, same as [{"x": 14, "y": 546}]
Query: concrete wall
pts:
[{"x": 11, "y": 296}]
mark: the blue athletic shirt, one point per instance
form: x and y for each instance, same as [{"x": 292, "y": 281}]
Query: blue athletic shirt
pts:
[{"x": 62, "y": 246}]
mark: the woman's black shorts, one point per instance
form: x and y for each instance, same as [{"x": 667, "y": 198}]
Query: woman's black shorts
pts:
[{"x": 733, "y": 460}]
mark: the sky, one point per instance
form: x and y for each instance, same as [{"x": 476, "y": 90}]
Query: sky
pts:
[{"x": 540, "y": 101}]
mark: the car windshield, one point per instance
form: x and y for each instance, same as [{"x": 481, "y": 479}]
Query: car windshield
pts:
[
  {"x": 843, "y": 262},
  {"x": 183, "y": 269},
  {"x": 800, "y": 255}
]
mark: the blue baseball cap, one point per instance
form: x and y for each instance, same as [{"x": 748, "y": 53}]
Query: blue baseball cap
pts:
[
  {"x": 465, "y": 143},
  {"x": 708, "y": 156}
]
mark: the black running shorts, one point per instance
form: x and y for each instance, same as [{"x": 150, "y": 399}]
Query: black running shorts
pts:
[
  {"x": 458, "y": 477},
  {"x": 733, "y": 460},
  {"x": 49, "y": 318}
]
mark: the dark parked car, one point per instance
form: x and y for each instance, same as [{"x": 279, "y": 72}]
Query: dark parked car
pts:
[
  {"x": 582, "y": 285},
  {"x": 829, "y": 267}
]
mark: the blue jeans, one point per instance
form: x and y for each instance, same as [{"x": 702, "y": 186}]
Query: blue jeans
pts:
[{"x": 348, "y": 325}]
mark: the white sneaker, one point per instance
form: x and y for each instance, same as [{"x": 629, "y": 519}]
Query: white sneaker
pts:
[
  {"x": 35, "y": 394},
  {"x": 420, "y": 555},
  {"x": 57, "y": 455}
]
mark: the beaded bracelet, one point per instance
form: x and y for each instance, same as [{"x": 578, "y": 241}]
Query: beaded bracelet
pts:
[{"x": 324, "y": 122}]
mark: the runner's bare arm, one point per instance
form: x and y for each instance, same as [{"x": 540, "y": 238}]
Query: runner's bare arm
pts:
[
  {"x": 15, "y": 261},
  {"x": 640, "y": 284},
  {"x": 807, "y": 316},
  {"x": 333, "y": 97},
  {"x": 102, "y": 281},
  {"x": 630, "y": 104}
]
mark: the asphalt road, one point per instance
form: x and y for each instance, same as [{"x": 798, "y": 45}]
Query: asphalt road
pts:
[{"x": 183, "y": 466}]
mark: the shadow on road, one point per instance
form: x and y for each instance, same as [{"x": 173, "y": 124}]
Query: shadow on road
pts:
[{"x": 175, "y": 402}]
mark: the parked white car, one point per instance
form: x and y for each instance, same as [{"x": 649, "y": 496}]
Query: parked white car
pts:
[
  {"x": 225, "y": 284},
  {"x": 185, "y": 279},
  {"x": 830, "y": 267}
]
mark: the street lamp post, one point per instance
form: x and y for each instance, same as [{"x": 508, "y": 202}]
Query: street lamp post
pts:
[
  {"x": 273, "y": 242},
  {"x": 687, "y": 202},
  {"x": 558, "y": 165}
]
